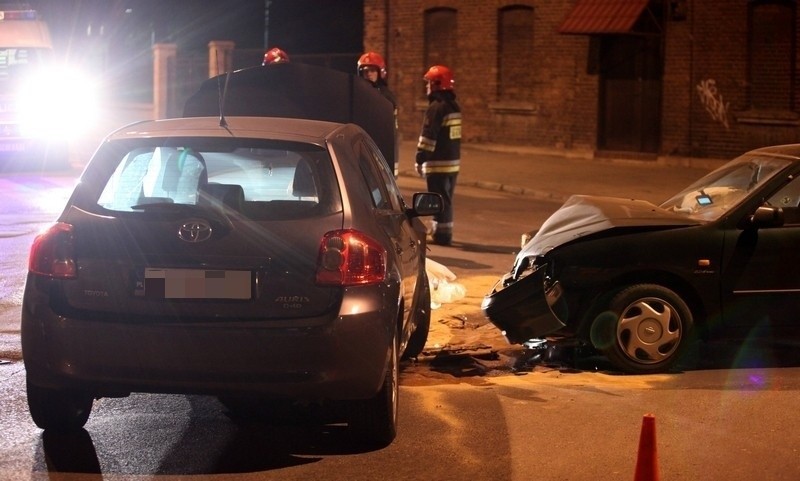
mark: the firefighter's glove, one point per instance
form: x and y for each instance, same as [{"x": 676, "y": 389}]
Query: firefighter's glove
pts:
[{"x": 420, "y": 159}]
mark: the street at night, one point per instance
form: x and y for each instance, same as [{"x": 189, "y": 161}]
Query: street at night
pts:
[{"x": 625, "y": 104}]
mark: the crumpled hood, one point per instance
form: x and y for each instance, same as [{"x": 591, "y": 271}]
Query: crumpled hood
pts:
[{"x": 582, "y": 215}]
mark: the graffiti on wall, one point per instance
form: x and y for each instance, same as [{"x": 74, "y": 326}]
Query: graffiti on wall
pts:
[{"x": 712, "y": 101}]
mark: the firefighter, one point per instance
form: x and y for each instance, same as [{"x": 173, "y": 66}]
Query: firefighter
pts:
[
  {"x": 439, "y": 148},
  {"x": 275, "y": 55},
  {"x": 372, "y": 68}
]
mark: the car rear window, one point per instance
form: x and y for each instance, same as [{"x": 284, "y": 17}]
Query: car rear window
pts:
[{"x": 255, "y": 178}]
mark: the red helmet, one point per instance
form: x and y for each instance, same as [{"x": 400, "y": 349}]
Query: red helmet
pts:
[
  {"x": 275, "y": 55},
  {"x": 440, "y": 77},
  {"x": 372, "y": 60}
]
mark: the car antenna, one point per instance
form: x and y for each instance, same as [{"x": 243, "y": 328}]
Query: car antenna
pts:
[{"x": 222, "y": 93}]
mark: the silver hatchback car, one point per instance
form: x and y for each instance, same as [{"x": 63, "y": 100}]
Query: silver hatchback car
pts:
[{"x": 281, "y": 248}]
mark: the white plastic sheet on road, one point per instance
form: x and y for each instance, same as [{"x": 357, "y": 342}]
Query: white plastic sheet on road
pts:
[{"x": 444, "y": 288}]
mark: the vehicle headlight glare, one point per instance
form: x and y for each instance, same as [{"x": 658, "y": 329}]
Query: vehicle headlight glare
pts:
[{"x": 57, "y": 103}]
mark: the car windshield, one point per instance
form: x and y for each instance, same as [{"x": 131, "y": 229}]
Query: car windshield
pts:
[
  {"x": 717, "y": 192},
  {"x": 258, "y": 179}
]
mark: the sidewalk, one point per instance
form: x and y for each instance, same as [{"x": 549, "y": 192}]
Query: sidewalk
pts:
[{"x": 552, "y": 175}]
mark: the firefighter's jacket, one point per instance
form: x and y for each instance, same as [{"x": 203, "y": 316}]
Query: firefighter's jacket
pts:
[{"x": 439, "y": 147}]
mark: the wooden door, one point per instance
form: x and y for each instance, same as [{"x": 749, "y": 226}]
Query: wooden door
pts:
[{"x": 630, "y": 93}]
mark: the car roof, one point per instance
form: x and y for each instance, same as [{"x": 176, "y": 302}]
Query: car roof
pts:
[
  {"x": 297, "y": 130},
  {"x": 788, "y": 150}
]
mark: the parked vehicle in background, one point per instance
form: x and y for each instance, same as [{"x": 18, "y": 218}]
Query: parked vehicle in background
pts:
[
  {"x": 296, "y": 90},
  {"x": 43, "y": 103},
  {"x": 638, "y": 281}
]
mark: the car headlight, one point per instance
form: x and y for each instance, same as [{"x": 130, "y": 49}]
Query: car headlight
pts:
[{"x": 57, "y": 103}]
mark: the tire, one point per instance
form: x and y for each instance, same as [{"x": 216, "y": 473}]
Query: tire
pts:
[
  {"x": 418, "y": 338},
  {"x": 373, "y": 422},
  {"x": 644, "y": 330},
  {"x": 57, "y": 409}
]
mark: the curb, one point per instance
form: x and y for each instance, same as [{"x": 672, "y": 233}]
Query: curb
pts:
[
  {"x": 581, "y": 156},
  {"x": 590, "y": 155},
  {"x": 514, "y": 189},
  {"x": 538, "y": 194}
]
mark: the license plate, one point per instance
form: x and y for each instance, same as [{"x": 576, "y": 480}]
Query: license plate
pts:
[{"x": 197, "y": 284}]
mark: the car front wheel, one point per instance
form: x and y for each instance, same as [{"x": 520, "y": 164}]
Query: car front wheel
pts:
[
  {"x": 644, "y": 329},
  {"x": 57, "y": 409}
]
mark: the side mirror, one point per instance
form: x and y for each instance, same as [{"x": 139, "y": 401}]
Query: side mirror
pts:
[
  {"x": 426, "y": 203},
  {"x": 766, "y": 216}
]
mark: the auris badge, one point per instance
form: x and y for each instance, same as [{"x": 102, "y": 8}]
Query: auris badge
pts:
[{"x": 194, "y": 231}]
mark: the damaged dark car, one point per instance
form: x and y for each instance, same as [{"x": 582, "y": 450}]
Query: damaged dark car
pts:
[{"x": 639, "y": 281}]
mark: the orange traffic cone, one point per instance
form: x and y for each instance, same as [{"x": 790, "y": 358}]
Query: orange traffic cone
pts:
[{"x": 647, "y": 461}]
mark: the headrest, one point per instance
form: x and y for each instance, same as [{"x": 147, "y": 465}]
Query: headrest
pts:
[{"x": 303, "y": 182}]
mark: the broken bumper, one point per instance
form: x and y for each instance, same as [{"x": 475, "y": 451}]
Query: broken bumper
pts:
[{"x": 524, "y": 309}]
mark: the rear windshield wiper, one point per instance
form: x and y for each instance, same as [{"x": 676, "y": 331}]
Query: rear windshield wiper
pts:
[
  {"x": 160, "y": 206},
  {"x": 185, "y": 209}
]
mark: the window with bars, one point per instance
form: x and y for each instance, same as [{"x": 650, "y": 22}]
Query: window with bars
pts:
[{"x": 515, "y": 53}]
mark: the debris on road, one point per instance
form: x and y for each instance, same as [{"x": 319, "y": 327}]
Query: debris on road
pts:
[{"x": 444, "y": 289}]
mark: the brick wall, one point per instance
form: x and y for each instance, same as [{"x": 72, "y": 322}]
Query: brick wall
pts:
[
  {"x": 705, "y": 53},
  {"x": 719, "y": 54},
  {"x": 679, "y": 93},
  {"x": 559, "y": 109}
]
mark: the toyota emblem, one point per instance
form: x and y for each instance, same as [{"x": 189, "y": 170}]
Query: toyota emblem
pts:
[{"x": 195, "y": 231}]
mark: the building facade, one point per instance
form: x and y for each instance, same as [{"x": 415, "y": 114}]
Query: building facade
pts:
[{"x": 637, "y": 78}]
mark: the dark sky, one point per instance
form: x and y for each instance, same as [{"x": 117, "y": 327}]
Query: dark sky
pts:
[
  {"x": 301, "y": 26},
  {"x": 317, "y": 26}
]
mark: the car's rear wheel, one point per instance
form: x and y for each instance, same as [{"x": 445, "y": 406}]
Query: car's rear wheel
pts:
[
  {"x": 645, "y": 328},
  {"x": 374, "y": 421},
  {"x": 418, "y": 338},
  {"x": 58, "y": 409}
]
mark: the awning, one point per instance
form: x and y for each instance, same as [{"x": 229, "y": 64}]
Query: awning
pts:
[{"x": 603, "y": 16}]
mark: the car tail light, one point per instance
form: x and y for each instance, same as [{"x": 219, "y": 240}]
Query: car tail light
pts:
[
  {"x": 349, "y": 257},
  {"x": 53, "y": 253}
]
